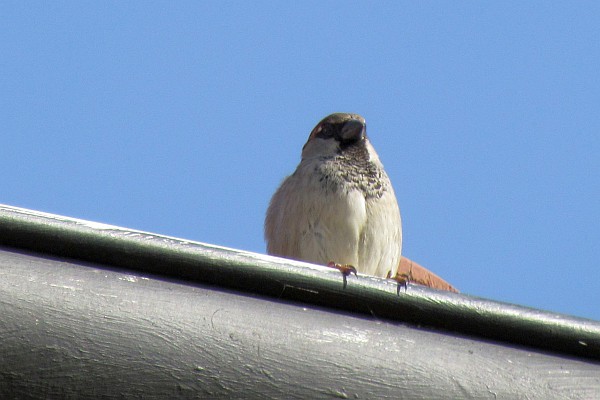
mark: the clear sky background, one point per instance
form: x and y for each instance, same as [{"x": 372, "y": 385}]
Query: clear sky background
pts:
[{"x": 181, "y": 118}]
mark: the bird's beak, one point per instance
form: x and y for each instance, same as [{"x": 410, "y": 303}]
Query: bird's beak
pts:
[{"x": 352, "y": 131}]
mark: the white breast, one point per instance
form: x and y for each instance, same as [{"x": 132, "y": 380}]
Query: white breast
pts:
[{"x": 307, "y": 222}]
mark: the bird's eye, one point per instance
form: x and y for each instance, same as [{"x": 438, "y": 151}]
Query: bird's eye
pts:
[{"x": 326, "y": 130}]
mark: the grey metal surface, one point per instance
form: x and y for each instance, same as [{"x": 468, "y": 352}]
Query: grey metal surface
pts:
[
  {"x": 290, "y": 280},
  {"x": 96, "y": 311},
  {"x": 76, "y": 330}
]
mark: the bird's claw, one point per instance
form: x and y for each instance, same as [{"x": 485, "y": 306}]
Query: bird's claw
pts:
[
  {"x": 403, "y": 281},
  {"x": 345, "y": 269}
]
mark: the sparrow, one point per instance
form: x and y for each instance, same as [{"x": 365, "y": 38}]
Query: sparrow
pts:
[{"x": 338, "y": 208}]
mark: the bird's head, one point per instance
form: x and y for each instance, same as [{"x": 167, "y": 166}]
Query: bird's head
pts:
[{"x": 335, "y": 134}]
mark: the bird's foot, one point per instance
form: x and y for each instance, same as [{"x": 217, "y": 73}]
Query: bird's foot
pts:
[
  {"x": 403, "y": 280},
  {"x": 345, "y": 269}
]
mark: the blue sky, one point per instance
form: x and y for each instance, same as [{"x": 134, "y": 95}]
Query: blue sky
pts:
[{"x": 181, "y": 118}]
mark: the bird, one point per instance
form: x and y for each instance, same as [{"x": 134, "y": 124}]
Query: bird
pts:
[{"x": 338, "y": 208}]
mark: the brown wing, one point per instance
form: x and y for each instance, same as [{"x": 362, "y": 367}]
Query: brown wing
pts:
[{"x": 410, "y": 271}]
